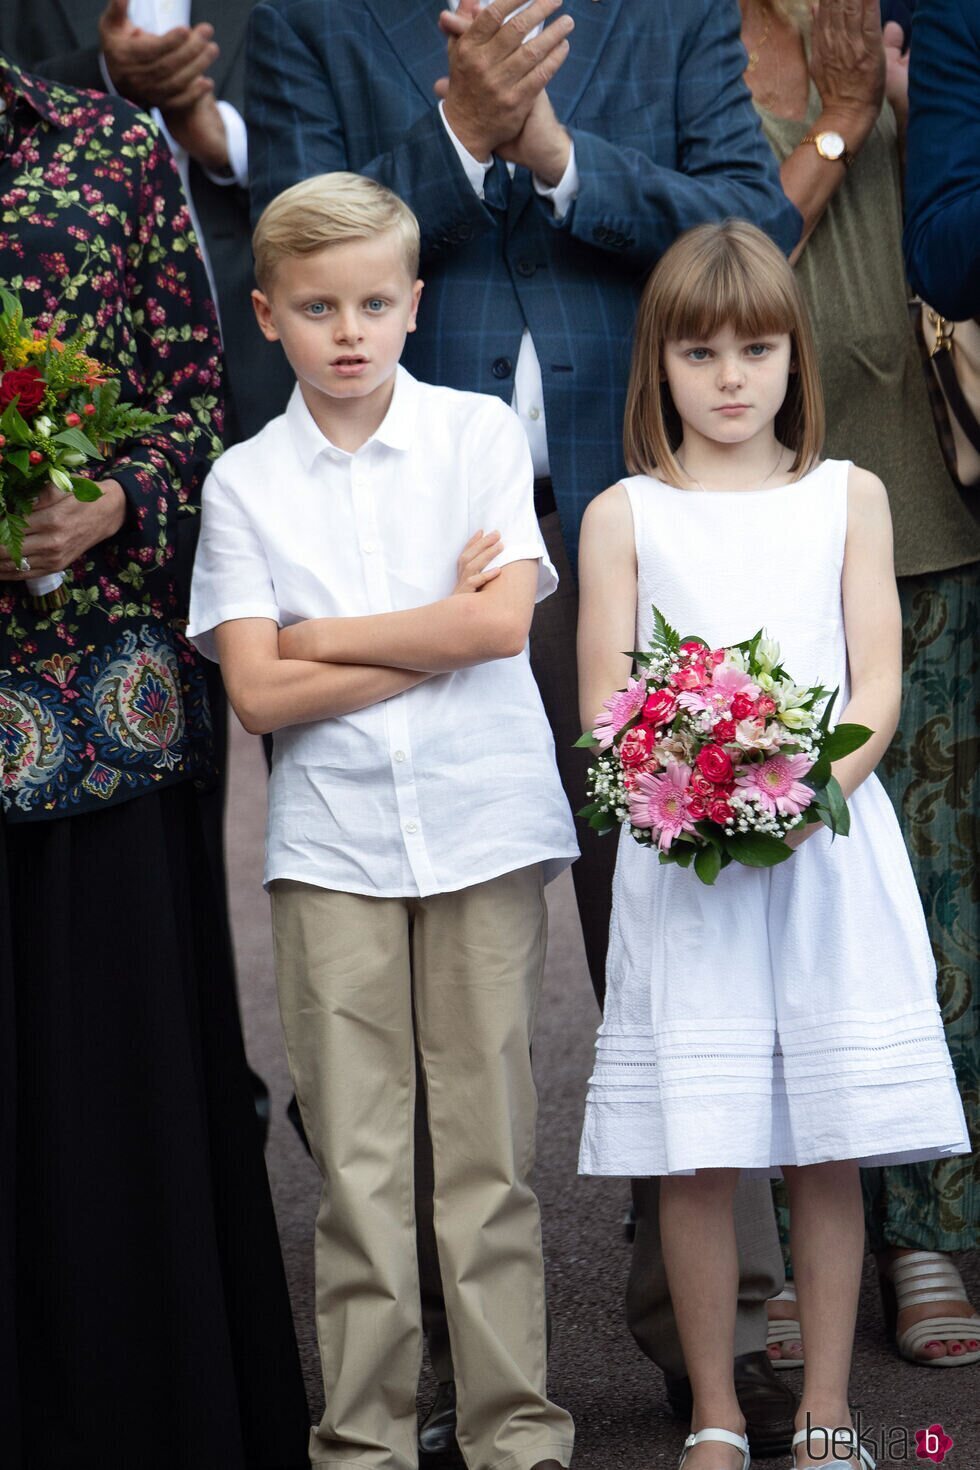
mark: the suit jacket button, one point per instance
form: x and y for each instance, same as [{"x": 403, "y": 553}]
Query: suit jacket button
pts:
[
  {"x": 526, "y": 267},
  {"x": 601, "y": 234},
  {"x": 502, "y": 367}
]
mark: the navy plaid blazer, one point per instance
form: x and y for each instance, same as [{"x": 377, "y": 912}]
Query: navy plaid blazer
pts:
[{"x": 665, "y": 138}]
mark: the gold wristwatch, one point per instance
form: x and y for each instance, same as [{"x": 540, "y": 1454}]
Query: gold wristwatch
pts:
[{"x": 831, "y": 146}]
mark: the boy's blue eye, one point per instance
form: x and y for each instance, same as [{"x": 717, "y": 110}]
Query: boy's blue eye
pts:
[
  {"x": 316, "y": 308},
  {"x": 375, "y": 304}
]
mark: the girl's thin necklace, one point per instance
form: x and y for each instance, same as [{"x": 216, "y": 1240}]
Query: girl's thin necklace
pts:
[{"x": 775, "y": 467}]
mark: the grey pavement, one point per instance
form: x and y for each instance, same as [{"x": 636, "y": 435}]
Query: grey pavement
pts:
[{"x": 596, "y": 1371}]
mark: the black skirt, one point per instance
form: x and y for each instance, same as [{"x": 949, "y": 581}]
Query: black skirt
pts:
[{"x": 144, "y": 1318}]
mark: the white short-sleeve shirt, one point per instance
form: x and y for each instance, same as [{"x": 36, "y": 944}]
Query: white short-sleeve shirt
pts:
[{"x": 453, "y": 782}]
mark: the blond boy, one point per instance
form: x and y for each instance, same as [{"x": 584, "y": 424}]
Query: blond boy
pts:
[{"x": 415, "y": 814}]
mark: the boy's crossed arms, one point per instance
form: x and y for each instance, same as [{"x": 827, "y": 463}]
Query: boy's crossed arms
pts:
[{"x": 326, "y": 667}]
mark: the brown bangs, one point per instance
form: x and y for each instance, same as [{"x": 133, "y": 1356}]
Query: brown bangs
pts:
[{"x": 712, "y": 277}]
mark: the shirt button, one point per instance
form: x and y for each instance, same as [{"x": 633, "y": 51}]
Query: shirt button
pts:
[
  {"x": 399, "y": 755},
  {"x": 502, "y": 367},
  {"x": 411, "y": 827},
  {"x": 534, "y": 413}
]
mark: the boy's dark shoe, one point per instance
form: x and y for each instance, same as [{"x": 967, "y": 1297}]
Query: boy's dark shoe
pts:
[
  {"x": 769, "y": 1405},
  {"x": 438, "y": 1449}
]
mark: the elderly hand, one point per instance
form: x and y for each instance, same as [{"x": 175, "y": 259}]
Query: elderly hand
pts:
[
  {"x": 494, "y": 77},
  {"x": 200, "y": 131},
  {"x": 847, "y": 63},
  {"x": 156, "y": 71},
  {"x": 60, "y": 529},
  {"x": 896, "y": 72}
]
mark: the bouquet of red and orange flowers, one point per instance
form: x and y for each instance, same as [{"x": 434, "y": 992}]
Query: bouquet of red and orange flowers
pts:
[
  {"x": 59, "y": 410},
  {"x": 714, "y": 755}
]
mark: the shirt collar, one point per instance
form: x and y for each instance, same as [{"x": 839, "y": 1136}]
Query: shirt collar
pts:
[
  {"x": 395, "y": 430},
  {"x": 18, "y": 84}
]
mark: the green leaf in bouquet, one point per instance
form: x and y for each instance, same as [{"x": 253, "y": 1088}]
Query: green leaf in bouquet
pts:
[
  {"x": 11, "y": 306},
  {"x": 75, "y": 439},
  {"x": 832, "y": 809},
  {"x": 13, "y": 426},
  {"x": 695, "y": 638},
  {"x": 585, "y": 740},
  {"x": 819, "y": 773},
  {"x": 664, "y": 638},
  {"x": 85, "y": 490},
  {"x": 681, "y": 853},
  {"x": 589, "y": 811},
  {"x": 20, "y": 459},
  {"x": 757, "y": 849},
  {"x": 707, "y": 864},
  {"x": 824, "y": 724},
  {"x": 843, "y": 739},
  {"x": 602, "y": 822}
]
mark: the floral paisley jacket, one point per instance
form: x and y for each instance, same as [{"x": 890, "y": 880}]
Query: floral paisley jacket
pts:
[{"x": 102, "y": 699}]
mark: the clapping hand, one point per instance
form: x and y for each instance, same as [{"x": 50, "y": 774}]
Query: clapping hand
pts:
[
  {"x": 200, "y": 131},
  {"x": 496, "y": 77},
  {"x": 896, "y": 71},
  {"x": 165, "y": 71},
  {"x": 847, "y": 63}
]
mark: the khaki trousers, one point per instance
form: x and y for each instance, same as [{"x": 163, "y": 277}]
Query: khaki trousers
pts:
[{"x": 362, "y": 983}]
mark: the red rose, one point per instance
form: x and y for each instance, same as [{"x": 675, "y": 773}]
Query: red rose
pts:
[
  {"x": 635, "y": 746},
  {"x": 696, "y": 807},
  {"x": 692, "y": 677},
  {"x": 691, "y": 649},
  {"x": 766, "y": 705},
  {"x": 701, "y": 786},
  {"x": 715, "y": 763},
  {"x": 719, "y": 811},
  {"x": 660, "y": 707},
  {"x": 24, "y": 384},
  {"x": 743, "y": 708},
  {"x": 724, "y": 730}
]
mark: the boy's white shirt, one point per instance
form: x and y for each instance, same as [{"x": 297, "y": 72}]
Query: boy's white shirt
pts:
[{"x": 453, "y": 782}]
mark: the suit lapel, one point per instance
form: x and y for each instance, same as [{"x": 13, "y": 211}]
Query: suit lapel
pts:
[
  {"x": 594, "y": 22},
  {"x": 411, "y": 29},
  {"x": 81, "y": 18}
]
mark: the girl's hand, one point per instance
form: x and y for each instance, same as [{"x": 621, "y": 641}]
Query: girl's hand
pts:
[
  {"x": 800, "y": 834},
  {"x": 847, "y": 63},
  {"x": 475, "y": 556},
  {"x": 60, "y": 529}
]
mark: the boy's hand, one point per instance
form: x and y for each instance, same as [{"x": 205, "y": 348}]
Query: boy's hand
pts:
[{"x": 476, "y": 555}]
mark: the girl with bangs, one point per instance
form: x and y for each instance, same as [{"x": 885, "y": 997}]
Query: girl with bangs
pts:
[{"x": 787, "y": 1017}]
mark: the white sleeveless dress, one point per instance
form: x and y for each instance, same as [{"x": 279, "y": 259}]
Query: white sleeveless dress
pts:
[{"x": 785, "y": 1015}]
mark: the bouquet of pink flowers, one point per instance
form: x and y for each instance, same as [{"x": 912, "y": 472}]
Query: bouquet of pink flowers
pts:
[{"x": 714, "y": 755}]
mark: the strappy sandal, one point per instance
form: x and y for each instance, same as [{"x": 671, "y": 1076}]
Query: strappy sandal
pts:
[
  {"x": 834, "y": 1440},
  {"x": 927, "y": 1276},
  {"x": 784, "y": 1330},
  {"x": 719, "y": 1436}
]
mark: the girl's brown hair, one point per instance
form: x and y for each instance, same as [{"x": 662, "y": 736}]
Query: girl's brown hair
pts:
[{"x": 714, "y": 276}]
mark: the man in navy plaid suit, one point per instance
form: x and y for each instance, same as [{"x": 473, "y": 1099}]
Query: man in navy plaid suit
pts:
[{"x": 551, "y": 159}]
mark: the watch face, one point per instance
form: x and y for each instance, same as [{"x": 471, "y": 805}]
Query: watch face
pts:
[{"x": 831, "y": 145}]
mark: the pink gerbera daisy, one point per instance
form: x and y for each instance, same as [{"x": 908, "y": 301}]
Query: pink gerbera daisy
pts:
[
  {"x": 776, "y": 785},
  {"x": 662, "y": 803},
  {"x": 618, "y": 710}
]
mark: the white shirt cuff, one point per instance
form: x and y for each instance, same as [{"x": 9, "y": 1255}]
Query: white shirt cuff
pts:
[
  {"x": 104, "y": 69},
  {"x": 565, "y": 192},
  {"x": 475, "y": 171},
  {"x": 237, "y": 148}
]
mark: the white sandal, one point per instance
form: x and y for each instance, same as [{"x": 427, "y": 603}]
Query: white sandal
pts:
[
  {"x": 784, "y": 1330},
  {"x": 719, "y": 1436},
  {"x": 834, "y": 1439},
  {"x": 927, "y": 1276}
]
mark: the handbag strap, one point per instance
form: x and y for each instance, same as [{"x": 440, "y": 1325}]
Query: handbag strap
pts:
[{"x": 956, "y": 398}]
